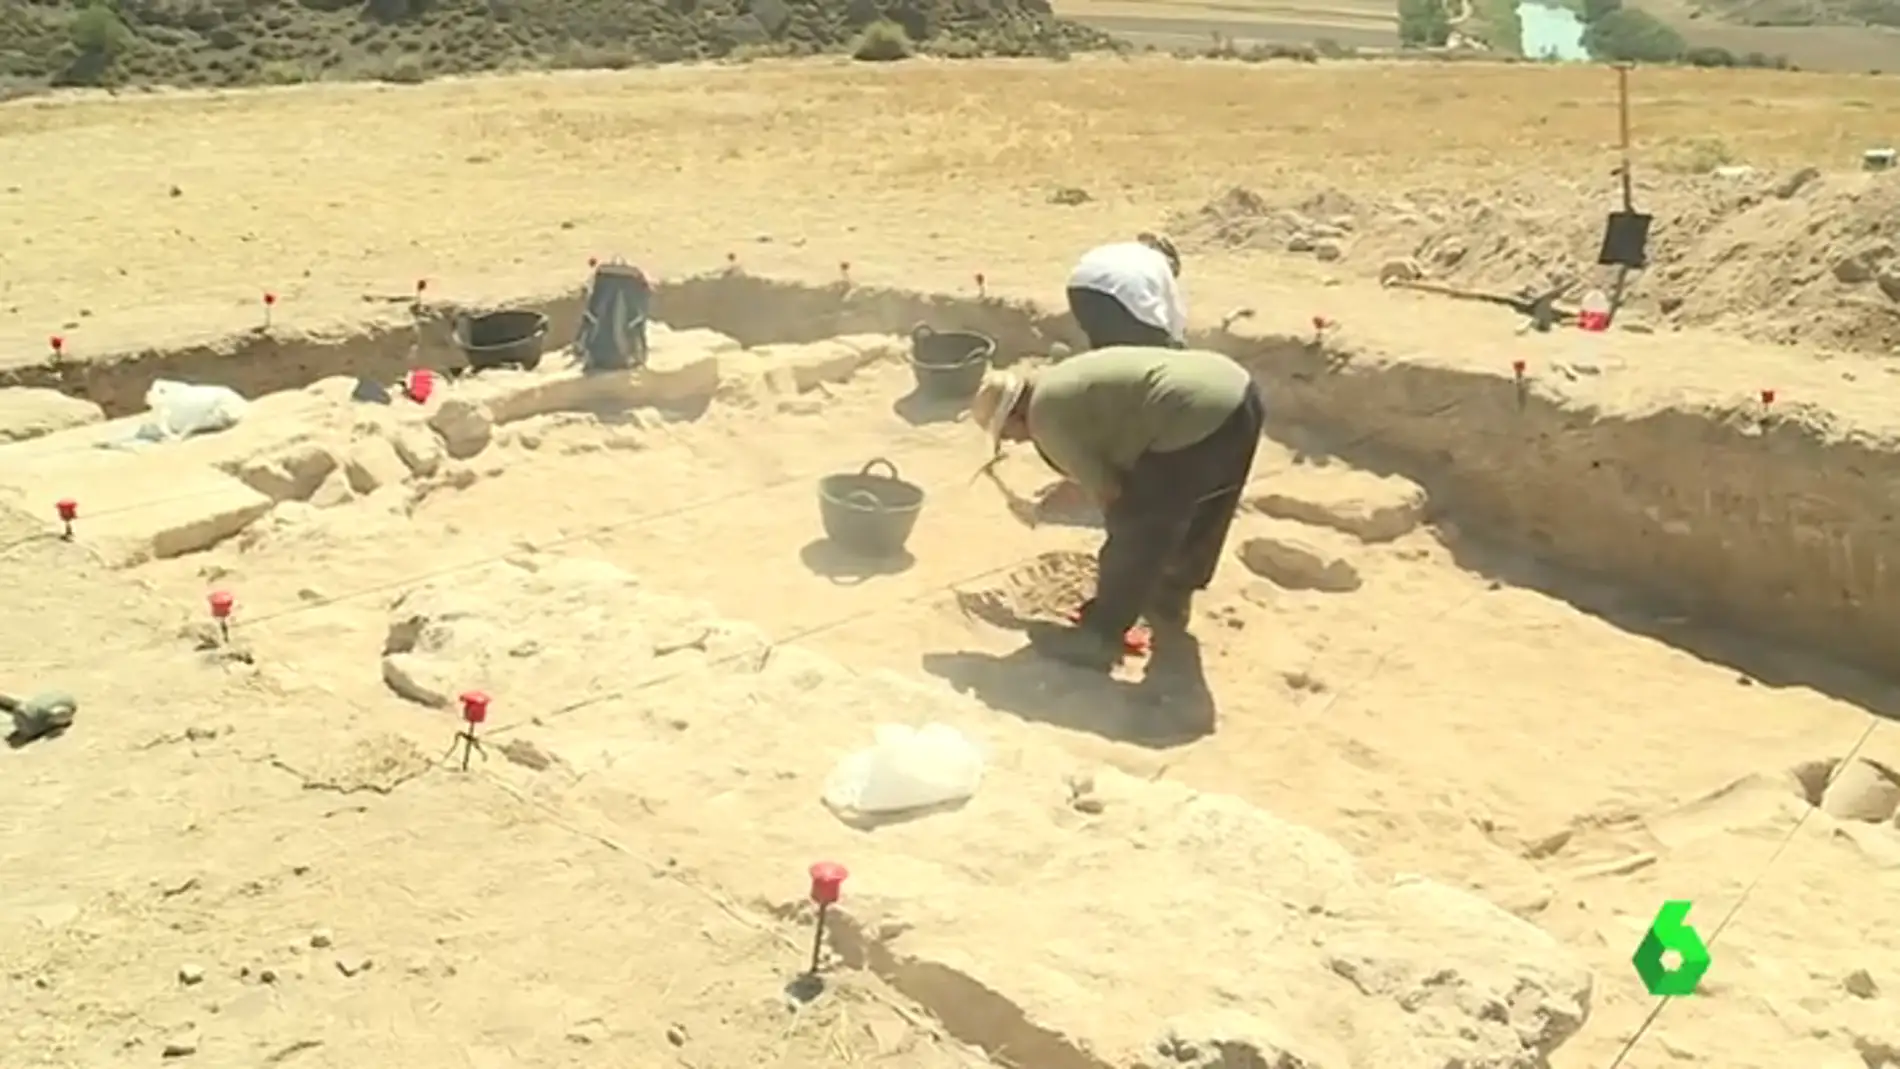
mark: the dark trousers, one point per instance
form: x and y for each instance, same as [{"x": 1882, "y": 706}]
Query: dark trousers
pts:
[
  {"x": 1168, "y": 526},
  {"x": 1107, "y": 323}
]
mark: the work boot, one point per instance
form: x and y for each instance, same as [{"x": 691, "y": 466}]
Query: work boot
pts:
[{"x": 1083, "y": 647}]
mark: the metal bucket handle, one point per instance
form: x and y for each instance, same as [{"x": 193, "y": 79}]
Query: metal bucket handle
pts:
[
  {"x": 874, "y": 462},
  {"x": 864, "y": 499},
  {"x": 921, "y": 331}
]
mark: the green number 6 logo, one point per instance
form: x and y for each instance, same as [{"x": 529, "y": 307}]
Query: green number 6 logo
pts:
[{"x": 1670, "y": 933}]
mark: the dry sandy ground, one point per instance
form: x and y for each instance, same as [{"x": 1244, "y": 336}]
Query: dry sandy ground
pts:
[{"x": 1489, "y": 737}]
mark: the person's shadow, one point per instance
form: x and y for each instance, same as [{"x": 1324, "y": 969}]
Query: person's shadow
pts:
[{"x": 1170, "y": 705}]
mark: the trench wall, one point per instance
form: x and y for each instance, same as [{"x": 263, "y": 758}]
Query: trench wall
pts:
[{"x": 1781, "y": 528}]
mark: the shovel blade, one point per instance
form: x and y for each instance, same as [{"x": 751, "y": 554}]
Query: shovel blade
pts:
[{"x": 1625, "y": 241}]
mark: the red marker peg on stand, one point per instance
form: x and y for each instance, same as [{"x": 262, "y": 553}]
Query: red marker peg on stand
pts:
[
  {"x": 981, "y": 290},
  {"x": 58, "y": 345},
  {"x": 270, "y": 302},
  {"x": 732, "y": 261},
  {"x": 222, "y": 603},
  {"x": 593, "y": 262},
  {"x": 474, "y": 715},
  {"x": 844, "y": 271},
  {"x": 1517, "y": 378},
  {"x": 422, "y": 287},
  {"x": 827, "y": 886},
  {"x": 68, "y": 512},
  {"x": 1767, "y": 398}
]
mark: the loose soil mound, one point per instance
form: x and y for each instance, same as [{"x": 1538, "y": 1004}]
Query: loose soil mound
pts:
[
  {"x": 250, "y": 42},
  {"x": 1799, "y": 258}
]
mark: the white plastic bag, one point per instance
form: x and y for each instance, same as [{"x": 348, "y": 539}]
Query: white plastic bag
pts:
[
  {"x": 180, "y": 410},
  {"x": 908, "y": 768}
]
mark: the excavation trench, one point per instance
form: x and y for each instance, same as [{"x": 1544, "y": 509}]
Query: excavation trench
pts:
[{"x": 1771, "y": 529}]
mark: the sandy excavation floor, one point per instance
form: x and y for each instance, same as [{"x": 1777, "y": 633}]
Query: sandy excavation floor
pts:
[
  {"x": 254, "y": 809},
  {"x": 210, "y": 823}
]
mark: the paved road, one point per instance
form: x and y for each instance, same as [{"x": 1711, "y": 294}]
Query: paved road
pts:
[{"x": 1198, "y": 33}]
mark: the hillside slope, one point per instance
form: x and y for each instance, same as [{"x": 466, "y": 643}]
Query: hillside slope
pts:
[{"x": 248, "y": 42}]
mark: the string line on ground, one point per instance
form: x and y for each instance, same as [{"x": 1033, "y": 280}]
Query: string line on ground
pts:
[{"x": 1748, "y": 889}]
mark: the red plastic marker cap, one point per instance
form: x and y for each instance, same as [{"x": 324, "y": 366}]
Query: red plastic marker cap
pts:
[
  {"x": 221, "y": 603},
  {"x": 68, "y": 509},
  {"x": 421, "y": 385},
  {"x": 844, "y": 266},
  {"x": 56, "y": 342},
  {"x": 732, "y": 257},
  {"x": 979, "y": 278},
  {"x": 1321, "y": 322},
  {"x": 270, "y": 298},
  {"x": 593, "y": 261},
  {"x": 827, "y": 882},
  {"x": 1768, "y": 397},
  {"x": 474, "y": 706},
  {"x": 421, "y": 284},
  {"x": 1517, "y": 367}
]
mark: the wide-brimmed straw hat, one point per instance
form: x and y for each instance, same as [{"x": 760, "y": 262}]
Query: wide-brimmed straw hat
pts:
[{"x": 996, "y": 397}]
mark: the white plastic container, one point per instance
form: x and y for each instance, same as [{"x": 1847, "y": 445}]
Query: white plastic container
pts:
[{"x": 906, "y": 769}]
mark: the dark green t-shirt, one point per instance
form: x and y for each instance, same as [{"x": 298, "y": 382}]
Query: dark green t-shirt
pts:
[{"x": 1094, "y": 414}]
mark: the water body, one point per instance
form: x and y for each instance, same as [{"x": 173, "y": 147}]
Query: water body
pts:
[{"x": 1551, "y": 32}]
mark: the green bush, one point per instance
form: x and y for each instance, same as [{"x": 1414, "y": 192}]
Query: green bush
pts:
[
  {"x": 1632, "y": 36},
  {"x": 1423, "y": 23},
  {"x": 882, "y": 41},
  {"x": 98, "y": 31},
  {"x": 1709, "y": 56},
  {"x": 1596, "y": 9}
]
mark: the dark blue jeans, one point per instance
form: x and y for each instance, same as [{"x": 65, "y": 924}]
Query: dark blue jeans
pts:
[{"x": 1169, "y": 525}]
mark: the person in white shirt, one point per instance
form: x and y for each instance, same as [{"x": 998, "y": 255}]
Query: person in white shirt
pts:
[{"x": 1127, "y": 294}]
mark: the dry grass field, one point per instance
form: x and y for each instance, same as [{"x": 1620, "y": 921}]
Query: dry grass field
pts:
[
  {"x": 843, "y": 154},
  {"x": 184, "y": 840}
]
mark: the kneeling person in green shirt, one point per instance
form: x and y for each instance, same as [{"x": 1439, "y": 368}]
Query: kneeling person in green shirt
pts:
[{"x": 1163, "y": 441}]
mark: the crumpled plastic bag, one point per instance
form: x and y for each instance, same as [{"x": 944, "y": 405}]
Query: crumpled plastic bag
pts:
[
  {"x": 182, "y": 409},
  {"x": 906, "y": 769}
]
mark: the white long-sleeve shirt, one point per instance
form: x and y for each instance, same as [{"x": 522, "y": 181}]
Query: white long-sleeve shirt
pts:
[{"x": 1140, "y": 279}]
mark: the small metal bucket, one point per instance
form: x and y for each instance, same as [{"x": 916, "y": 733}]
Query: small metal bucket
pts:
[
  {"x": 502, "y": 339},
  {"x": 949, "y": 364}
]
